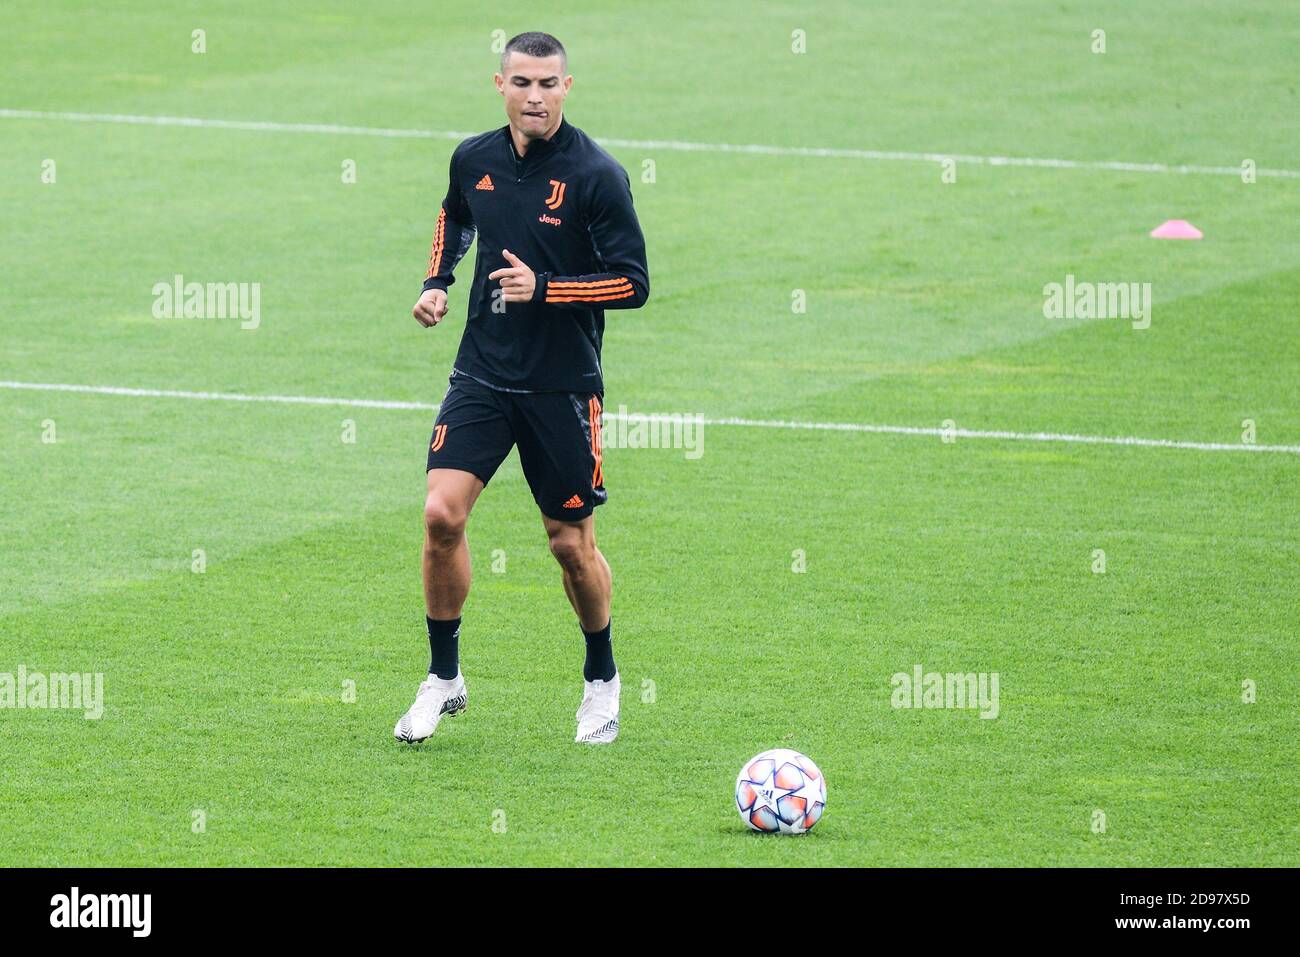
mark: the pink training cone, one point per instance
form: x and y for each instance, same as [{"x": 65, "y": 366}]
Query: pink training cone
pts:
[{"x": 1176, "y": 229}]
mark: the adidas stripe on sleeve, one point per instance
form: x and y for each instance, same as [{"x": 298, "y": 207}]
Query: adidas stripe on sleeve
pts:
[{"x": 452, "y": 234}]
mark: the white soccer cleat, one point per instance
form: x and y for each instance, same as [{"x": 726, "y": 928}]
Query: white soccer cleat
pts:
[
  {"x": 598, "y": 713},
  {"x": 435, "y": 698}
]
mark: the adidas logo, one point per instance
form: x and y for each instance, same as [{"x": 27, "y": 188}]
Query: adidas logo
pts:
[
  {"x": 574, "y": 502},
  {"x": 485, "y": 182}
]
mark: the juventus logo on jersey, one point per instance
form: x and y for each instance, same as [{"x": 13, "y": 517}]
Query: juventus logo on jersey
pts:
[{"x": 556, "y": 199}]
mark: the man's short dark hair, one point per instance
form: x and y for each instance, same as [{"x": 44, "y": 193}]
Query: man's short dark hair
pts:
[{"x": 535, "y": 44}]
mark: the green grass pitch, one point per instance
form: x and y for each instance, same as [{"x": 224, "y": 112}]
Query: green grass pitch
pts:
[{"x": 1121, "y": 693}]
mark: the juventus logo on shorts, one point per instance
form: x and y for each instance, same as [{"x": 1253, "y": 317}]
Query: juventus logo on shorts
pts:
[{"x": 439, "y": 433}]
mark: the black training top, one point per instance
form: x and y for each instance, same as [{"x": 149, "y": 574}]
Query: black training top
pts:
[{"x": 565, "y": 210}]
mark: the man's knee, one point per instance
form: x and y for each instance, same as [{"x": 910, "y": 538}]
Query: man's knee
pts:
[
  {"x": 444, "y": 521},
  {"x": 572, "y": 549}
]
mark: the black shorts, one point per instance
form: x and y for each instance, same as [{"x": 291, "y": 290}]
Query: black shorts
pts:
[{"x": 558, "y": 434}]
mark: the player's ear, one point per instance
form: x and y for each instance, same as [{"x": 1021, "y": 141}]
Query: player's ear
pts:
[{"x": 500, "y": 81}]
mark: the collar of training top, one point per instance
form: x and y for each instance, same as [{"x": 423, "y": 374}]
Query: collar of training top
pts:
[{"x": 539, "y": 148}]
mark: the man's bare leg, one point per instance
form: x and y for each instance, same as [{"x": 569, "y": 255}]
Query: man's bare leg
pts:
[
  {"x": 446, "y": 568},
  {"x": 584, "y": 569},
  {"x": 587, "y": 583},
  {"x": 445, "y": 565}
]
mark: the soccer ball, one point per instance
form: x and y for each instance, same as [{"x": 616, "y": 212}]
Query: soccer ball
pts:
[{"x": 780, "y": 792}]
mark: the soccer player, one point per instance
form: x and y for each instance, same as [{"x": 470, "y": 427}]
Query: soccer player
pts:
[{"x": 558, "y": 244}]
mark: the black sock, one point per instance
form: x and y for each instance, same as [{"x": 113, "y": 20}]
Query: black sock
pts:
[
  {"x": 600, "y": 656},
  {"x": 444, "y": 658}
]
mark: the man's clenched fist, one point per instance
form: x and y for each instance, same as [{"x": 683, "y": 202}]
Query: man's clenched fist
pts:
[{"x": 431, "y": 307}]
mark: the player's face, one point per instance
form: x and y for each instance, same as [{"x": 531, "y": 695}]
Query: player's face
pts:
[{"x": 534, "y": 89}]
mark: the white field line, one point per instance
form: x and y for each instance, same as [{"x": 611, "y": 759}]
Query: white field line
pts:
[
  {"x": 216, "y": 396},
  {"x": 1065, "y": 437},
  {"x": 264, "y": 126}
]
